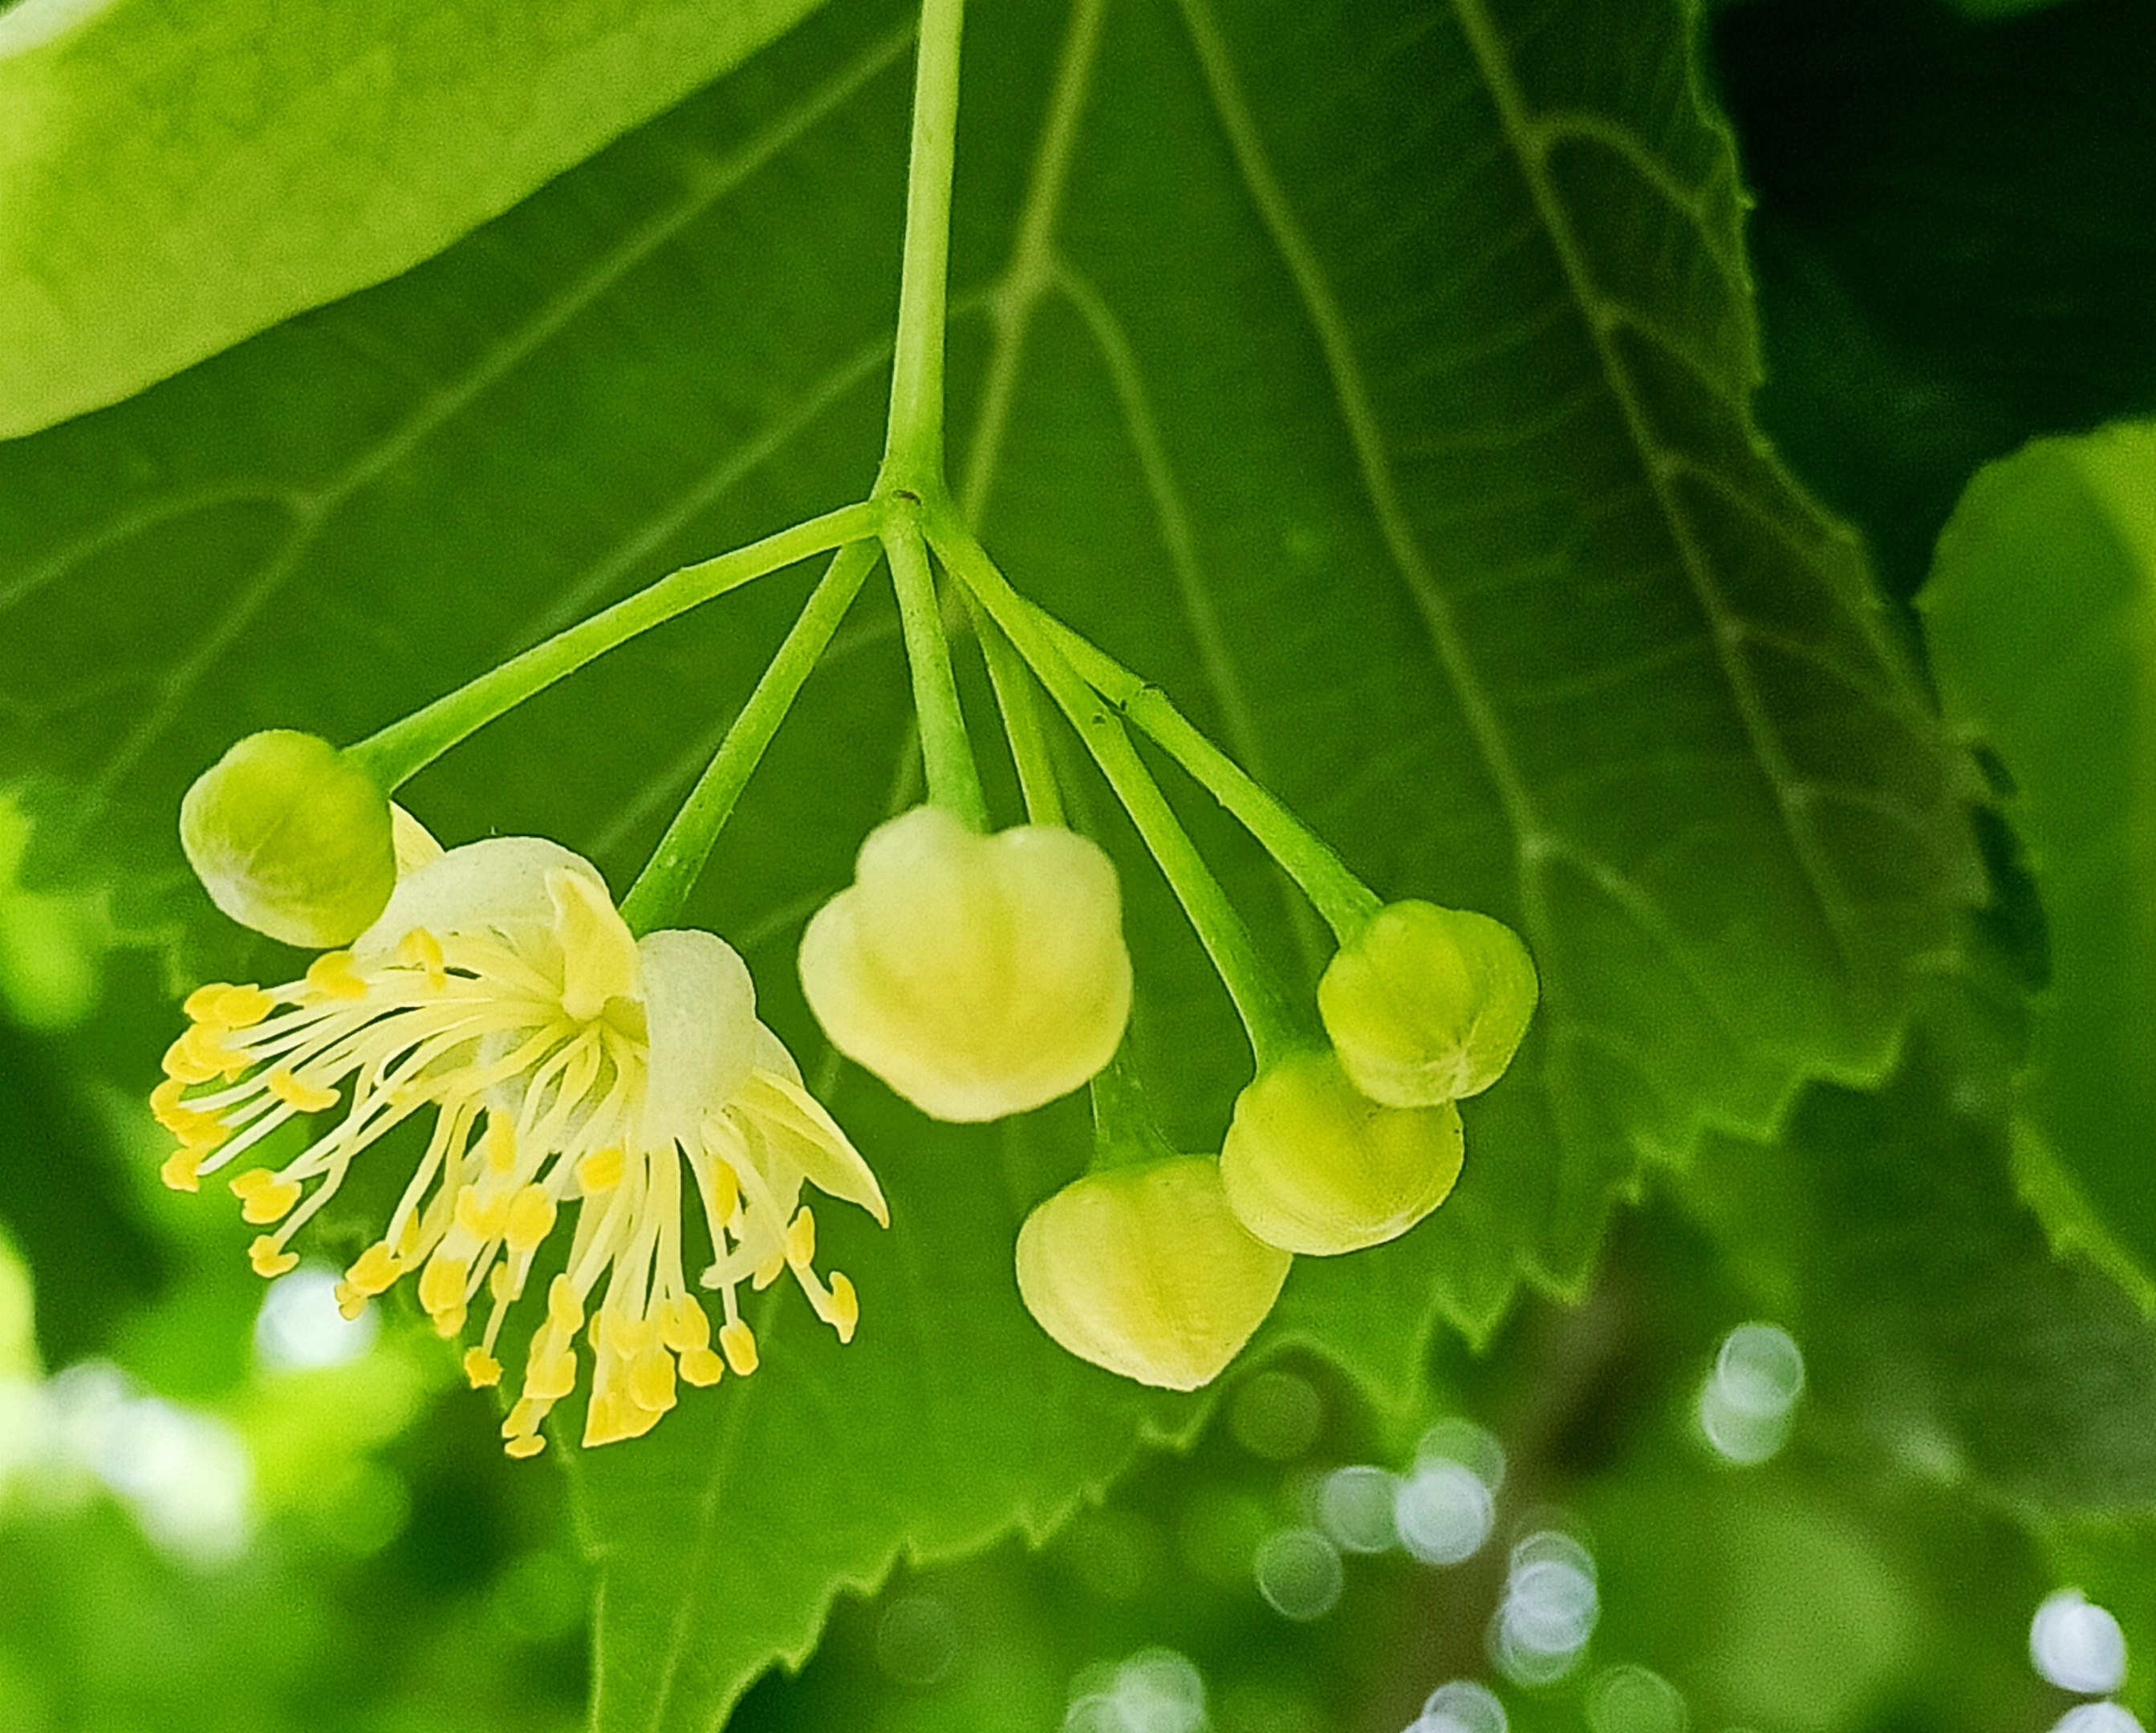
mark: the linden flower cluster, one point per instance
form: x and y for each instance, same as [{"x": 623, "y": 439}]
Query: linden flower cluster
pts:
[
  {"x": 567, "y": 1064},
  {"x": 981, "y": 976}
]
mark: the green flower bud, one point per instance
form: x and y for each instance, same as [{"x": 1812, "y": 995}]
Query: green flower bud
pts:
[
  {"x": 1427, "y": 1004},
  {"x": 978, "y": 976},
  {"x": 289, "y": 838},
  {"x": 1144, "y": 1270},
  {"x": 1311, "y": 1165}
]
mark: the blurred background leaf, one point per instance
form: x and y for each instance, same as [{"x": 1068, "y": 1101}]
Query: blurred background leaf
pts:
[
  {"x": 2041, "y": 616},
  {"x": 173, "y": 182}
]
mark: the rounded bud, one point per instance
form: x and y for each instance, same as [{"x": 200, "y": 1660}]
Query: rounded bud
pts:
[
  {"x": 291, "y": 839},
  {"x": 1427, "y": 1004},
  {"x": 978, "y": 976},
  {"x": 1312, "y": 1165},
  {"x": 1144, "y": 1270}
]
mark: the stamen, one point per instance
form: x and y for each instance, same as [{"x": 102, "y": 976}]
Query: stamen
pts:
[
  {"x": 481, "y": 1368},
  {"x": 421, "y": 949},
  {"x": 332, "y": 975},
  {"x": 200, "y": 1005},
  {"x": 601, "y": 1171},
  {"x": 846, "y": 1307},
  {"x": 269, "y": 1259},
  {"x": 530, "y": 1217},
  {"x": 240, "y": 1007},
  {"x": 183, "y": 1169},
  {"x": 262, "y": 1196},
  {"x": 801, "y": 1239},
  {"x": 526, "y": 1445},
  {"x": 739, "y": 1344},
  {"x": 303, "y": 1097}
]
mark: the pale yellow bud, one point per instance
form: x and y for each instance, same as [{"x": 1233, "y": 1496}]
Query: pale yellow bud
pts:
[
  {"x": 1144, "y": 1270},
  {"x": 978, "y": 976},
  {"x": 1427, "y": 1004},
  {"x": 1311, "y": 1165},
  {"x": 291, "y": 839}
]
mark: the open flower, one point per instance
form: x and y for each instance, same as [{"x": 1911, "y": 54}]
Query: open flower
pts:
[
  {"x": 978, "y": 976},
  {"x": 568, "y": 1063}
]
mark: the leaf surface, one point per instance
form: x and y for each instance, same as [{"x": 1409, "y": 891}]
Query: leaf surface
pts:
[
  {"x": 1373, "y": 380},
  {"x": 173, "y": 182}
]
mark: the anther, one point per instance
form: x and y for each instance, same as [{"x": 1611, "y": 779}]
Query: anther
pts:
[
  {"x": 269, "y": 1259},
  {"x": 738, "y": 1342}
]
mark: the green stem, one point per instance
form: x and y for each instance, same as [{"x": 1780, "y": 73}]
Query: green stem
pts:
[
  {"x": 660, "y": 889},
  {"x": 395, "y": 753},
  {"x": 1123, "y": 1129},
  {"x": 913, "y": 439},
  {"x": 1260, "y": 1000},
  {"x": 1022, "y": 720},
  {"x": 1345, "y": 902},
  {"x": 947, "y": 753}
]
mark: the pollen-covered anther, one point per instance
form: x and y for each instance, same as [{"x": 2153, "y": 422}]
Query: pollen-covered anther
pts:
[
  {"x": 332, "y": 973},
  {"x": 801, "y": 1239},
  {"x": 182, "y": 1169},
  {"x": 269, "y": 1259},
  {"x": 264, "y": 1197},
  {"x": 845, "y": 1313},
  {"x": 530, "y": 1217},
  {"x": 482, "y": 1211},
  {"x": 601, "y": 1171},
  {"x": 738, "y": 1342},
  {"x": 300, "y": 1097},
  {"x": 420, "y": 949},
  {"x": 442, "y": 1291},
  {"x": 481, "y": 1368},
  {"x": 651, "y": 1380},
  {"x": 200, "y": 1055}
]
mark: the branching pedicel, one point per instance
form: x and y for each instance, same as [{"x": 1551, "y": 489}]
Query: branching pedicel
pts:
[{"x": 576, "y": 1058}]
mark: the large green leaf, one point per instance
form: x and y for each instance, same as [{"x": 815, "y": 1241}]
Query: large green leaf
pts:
[
  {"x": 171, "y": 182},
  {"x": 2041, "y": 615},
  {"x": 1376, "y": 382}
]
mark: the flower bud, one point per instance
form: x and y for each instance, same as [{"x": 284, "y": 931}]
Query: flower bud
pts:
[
  {"x": 1427, "y": 1004},
  {"x": 978, "y": 976},
  {"x": 1311, "y": 1165},
  {"x": 1144, "y": 1270},
  {"x": 291, "y": 839}
]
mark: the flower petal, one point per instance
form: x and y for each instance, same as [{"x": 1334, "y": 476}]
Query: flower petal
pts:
[
  {"x": 699, "y": 1010},
  {"x": 498, "y": 884},
  {"x": 599, "y": 951},
  {"x": 796, "y": 1125}
]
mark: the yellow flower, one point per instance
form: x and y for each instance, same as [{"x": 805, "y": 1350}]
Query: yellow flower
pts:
[
  {"x": 977, "y": 975},
  {"x": 567, "y": 1064}
]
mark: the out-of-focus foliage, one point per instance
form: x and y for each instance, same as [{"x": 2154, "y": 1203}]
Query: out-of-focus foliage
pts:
[{"x": 1387, "y": 399}]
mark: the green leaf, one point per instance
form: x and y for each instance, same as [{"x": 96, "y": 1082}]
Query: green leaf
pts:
[
  {"x": 1378, "y": 388},
  {"x": 173, "y": 182},
  {"x": 2042, "y": 615}
]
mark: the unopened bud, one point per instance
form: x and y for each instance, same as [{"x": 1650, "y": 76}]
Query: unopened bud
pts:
[
  {"x": 1144, "y": 1270},
  {"x": 978, "y": 976},
  {"x": 291, "y": 839},
  {"x": 1427, "y": 1004},
  {"x": 1312, "y": 1165}
]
